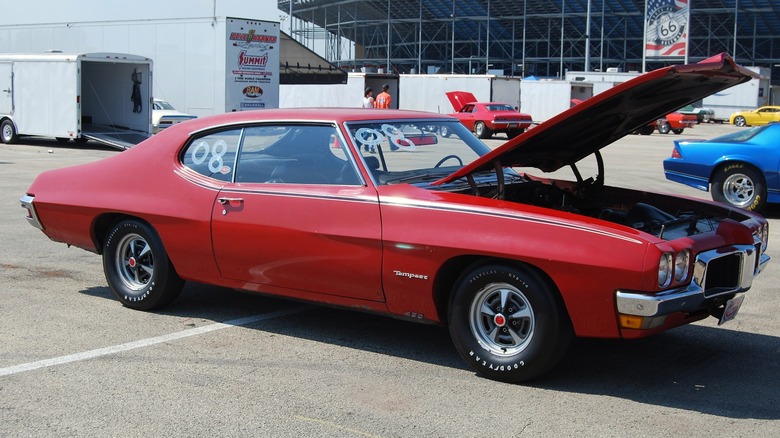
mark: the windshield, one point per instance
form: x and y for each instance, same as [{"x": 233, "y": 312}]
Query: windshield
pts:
[
  {"x": 739, "y": 136},
  {"x": 414, "y": 151},
  {"x": 163, "y": 105}
]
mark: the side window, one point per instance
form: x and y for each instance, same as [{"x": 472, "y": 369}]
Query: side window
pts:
[
  {"x": 294, "y": 154},
  {"x": 213, "y": 155}
]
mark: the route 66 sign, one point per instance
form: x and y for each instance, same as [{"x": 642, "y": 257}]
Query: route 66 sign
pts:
[{"x": 666, "y": 28}]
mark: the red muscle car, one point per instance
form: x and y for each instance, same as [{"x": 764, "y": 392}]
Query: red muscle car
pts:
[
  {"x": 487, "y": 118},
  {"x": 293, "y": 203},
  {"x": 673, "y": 122}
]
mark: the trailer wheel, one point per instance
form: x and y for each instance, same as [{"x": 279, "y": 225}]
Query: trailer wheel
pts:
[
  {"x": 8, "y": 132},
  {"x": 80, "y": 140},
  {"x": 62, "y": 140}
]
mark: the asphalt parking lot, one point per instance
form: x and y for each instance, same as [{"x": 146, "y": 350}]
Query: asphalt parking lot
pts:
[{"x": 74, "y": 362}]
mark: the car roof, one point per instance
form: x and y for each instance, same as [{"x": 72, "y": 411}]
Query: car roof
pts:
[{"x": 324, "y": 115}]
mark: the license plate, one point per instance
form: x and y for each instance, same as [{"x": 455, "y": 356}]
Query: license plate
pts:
[
  {"x": 513, "y": 125},
  {"x": 732, "y": 307}
]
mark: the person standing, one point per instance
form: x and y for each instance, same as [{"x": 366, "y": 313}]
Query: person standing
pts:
[
  {"x": 383, "y": 99},
  {"x": 368, "y": 98}
]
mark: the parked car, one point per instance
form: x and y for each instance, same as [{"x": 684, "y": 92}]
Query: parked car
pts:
[
  {"x": 165, "y": 115},
  {"x": 487, "y": 118},
  {"x": 757, "y": 117},
  {"x": 673, "y": 122},
  {"x": 703, "y": 115},
  {"x": 289, "y": 202},
  {"x": 740, "y": 168}
]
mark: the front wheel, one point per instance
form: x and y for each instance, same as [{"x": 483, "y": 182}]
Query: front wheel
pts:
[
  {"x": 740, "y": 185},
  {"x": 137, "y": 267},
  {"x": 8, "y": 132},
  {"x": 507, "y": 324},
  {"x": 678, "y": 131},
  {"x": 740, "y": 121},
  {"x": 482, "y": 131},
  {"x": 646, "y": 130}
]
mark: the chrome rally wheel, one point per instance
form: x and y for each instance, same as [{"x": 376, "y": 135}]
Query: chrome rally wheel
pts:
[
  {"x": 502, "y": 319},
  {"x": 134, "y": 262}
]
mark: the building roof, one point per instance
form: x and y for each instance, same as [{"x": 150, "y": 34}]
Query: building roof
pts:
[{"x": 545, "y": 36}]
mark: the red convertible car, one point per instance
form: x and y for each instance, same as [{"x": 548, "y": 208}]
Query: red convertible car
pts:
[
  {"x": 441, "y": 230},
  {"x": 487, "y": 118}
]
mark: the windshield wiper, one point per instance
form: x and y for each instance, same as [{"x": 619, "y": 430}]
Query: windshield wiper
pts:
[{"x": 418, "y": 176}]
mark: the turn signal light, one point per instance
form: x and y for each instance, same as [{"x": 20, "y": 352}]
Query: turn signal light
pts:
[{"x": 631, "y": 322}]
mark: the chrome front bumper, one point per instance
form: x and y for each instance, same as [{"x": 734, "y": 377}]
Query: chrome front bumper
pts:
[
  {"x": 715, "y": 273},
  {"x": 32, "y": 216}
]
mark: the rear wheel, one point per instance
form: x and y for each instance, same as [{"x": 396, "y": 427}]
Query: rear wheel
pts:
[
  {"x": 740, "y": 185},
  {"x": 507, "y": 324},
  {"x": 445, "y": 131},
  {"x": 137, "y": 267},
  {"x": 481, "y": 130},
  {"x": 740, "y": 121},
  {"x": 664, "y": 127},
  {"x": 8, "y": 132}
]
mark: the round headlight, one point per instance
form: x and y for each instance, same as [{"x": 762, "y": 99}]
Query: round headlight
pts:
[
  {"x": 665, "y": 270},
  {"x": 681, "y": 264}
]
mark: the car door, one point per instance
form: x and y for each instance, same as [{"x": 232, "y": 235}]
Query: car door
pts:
[
  {"x": 467, "y": 116},
  {"x": 297, "y": 215}
]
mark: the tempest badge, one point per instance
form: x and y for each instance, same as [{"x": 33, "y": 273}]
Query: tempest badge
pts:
[{"x": 410, "y": 275}]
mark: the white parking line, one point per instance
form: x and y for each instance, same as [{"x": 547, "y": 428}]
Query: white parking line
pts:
[{"x": 144, "y": 342}]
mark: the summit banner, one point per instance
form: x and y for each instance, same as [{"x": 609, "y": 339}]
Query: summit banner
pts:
[{"x": 666, "y": 28}]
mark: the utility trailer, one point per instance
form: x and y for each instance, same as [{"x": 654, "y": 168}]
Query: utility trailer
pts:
[{"x": 106, "y": 97}]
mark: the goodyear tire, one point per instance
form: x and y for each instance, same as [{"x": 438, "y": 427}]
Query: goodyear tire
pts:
[
  {"x": 507, "y": 324},
  {"x": 740, "y": 185},
  {"x": 137, "y": 267}
]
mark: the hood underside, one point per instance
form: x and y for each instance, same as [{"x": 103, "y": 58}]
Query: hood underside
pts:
[{"x": 596, "y": 122}]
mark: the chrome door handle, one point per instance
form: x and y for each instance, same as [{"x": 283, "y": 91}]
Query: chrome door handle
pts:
[{"x": 233, "y": 202}]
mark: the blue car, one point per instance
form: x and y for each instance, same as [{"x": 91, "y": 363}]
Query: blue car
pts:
[{"x": 741, "y": 167}]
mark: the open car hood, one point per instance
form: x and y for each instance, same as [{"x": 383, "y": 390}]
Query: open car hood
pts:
[
  {"x": 596, "y": 122},
  {"x": 459, "y": 99}
]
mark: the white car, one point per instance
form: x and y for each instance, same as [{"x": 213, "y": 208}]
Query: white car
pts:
[{"x": 165, "y": 115}]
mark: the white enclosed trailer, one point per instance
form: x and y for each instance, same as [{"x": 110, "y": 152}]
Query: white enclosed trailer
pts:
[
  {"x": 101, "y": 96},
  {"x": 544, "y": 99},
  {"x": 429, "y": 92},
  {"x": 747, "y": 96}
]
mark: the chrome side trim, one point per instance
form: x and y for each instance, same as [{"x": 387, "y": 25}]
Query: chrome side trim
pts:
[
  {"x": 32, "y": 216},
  {"x": 692, "y": 297}
]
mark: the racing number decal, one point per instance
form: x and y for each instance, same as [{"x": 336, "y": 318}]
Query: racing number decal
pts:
[
  {"x": 370, "y": 137},
  {"x": 214, "y": 153}
]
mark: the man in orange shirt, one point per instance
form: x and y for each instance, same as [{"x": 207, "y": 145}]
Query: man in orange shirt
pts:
[{"x": 384, "y": 99}]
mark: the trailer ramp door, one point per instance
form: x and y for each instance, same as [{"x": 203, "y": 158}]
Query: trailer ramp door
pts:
[{"x": 117, "y": 137}]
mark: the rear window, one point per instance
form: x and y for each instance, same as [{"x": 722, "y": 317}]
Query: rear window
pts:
[{"x": 739, "y": 136}]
